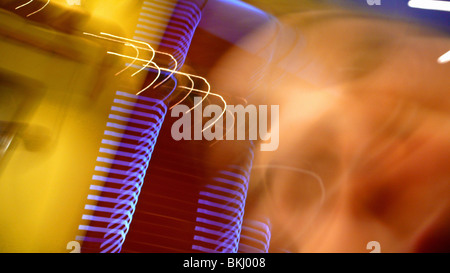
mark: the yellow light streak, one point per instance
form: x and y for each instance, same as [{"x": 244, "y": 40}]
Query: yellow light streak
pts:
[
  {"x": 21, "y": 6},
  {"x": 43, "y": 7},
  {"x": 191, "y": 89},
  {"x": 134, "y": 41},
  {"x": 141, "y": 48},
  {"x": 146, "y": 65},
  {"x": 213, "y": 94},
  {"x": 188, "y": 93},
  {"x": 132, "y": 62}
]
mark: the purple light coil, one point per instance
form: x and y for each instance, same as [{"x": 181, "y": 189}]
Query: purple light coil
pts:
[
  {"x": 122, "y": 163},
  {"x": 221, "y": 208}
]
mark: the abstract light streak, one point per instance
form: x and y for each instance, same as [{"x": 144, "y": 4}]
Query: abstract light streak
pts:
[
  {"x": 34, "y": 12},
  {"x": 430, "y": 4}
]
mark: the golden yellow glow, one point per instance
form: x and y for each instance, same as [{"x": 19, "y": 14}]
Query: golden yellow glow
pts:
[{"x": 44, "y": 191}]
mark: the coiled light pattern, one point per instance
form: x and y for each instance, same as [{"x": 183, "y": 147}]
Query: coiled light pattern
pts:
[
  {"x": 131, "y": 132},
  {"x": 170, "y": 24},
  {"x": 221, "y": 208},
  {"x": 255, "y": 236}
]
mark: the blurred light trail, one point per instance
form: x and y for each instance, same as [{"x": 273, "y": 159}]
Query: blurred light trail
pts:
[
  {"x": 217, "y": 95},
  {"x": 444, "y": 58},
  {"x": 140, "y": 48},
  {"x": 21, "y": 6},
  {"x": 134, "y": 41},
  {"x": 207, "y": 92},
  {"x": 187, "y": 94},
  {"x": 34, "y": 12},
  {"x": 129, "y": 65},
  {"x": 172, "y": 71},
  {"x": 430, "y": 4},
  {"x": 43, "y": 7}
]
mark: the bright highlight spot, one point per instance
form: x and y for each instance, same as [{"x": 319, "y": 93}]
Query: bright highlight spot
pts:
[
  {"x": 444, "y": 58},
  {"x": 430, "y": 4}
]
